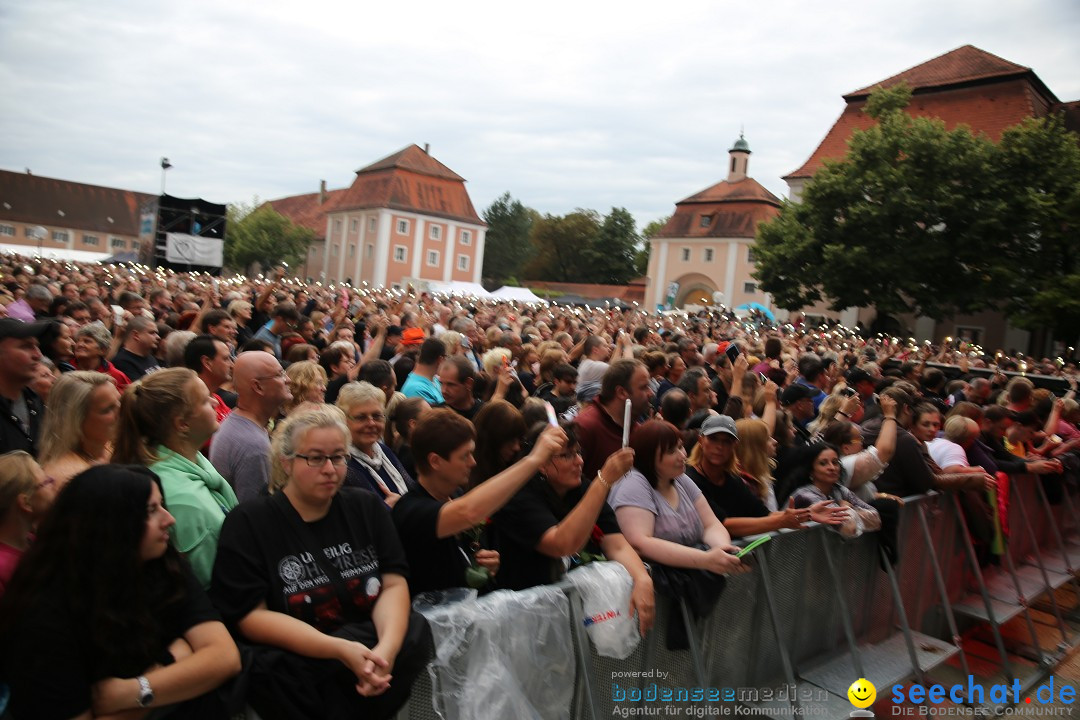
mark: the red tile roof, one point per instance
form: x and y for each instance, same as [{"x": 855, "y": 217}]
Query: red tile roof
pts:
[
  {"x": 415, "y": 159},
  {"x": 306, "y": 210},
  {"x": 409, "y": 180},
  {"x": 34, "y": 199},
  {"x": 965, "y": 86},
  {"x": 734, "y": 209},
  {"x": 963, "y": 65}
]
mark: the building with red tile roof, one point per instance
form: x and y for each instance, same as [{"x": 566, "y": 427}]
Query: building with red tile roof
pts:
[
  {"x": 966, "y": 86},
  {"x": 406, "y": 216},
  {"x": 707, "y": 245},
  {"x": 81, "y": 221}
]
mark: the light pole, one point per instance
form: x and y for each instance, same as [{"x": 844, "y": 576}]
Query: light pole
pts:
[
  {"x": 39, "y": 233},
  {"x": 165, "y": 165}
]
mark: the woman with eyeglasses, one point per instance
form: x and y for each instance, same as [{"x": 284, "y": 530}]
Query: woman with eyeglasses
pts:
[
  {"x": 557, "y": 521},
  {"x": 316, "y": 570},
  {"x": 372, "y": 465},
  {"x": 824, "y": 485},
  {"x": 165, "y": 419}
]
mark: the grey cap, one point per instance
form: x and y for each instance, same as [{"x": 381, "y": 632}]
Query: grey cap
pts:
[{"x": 719, "y": 424}]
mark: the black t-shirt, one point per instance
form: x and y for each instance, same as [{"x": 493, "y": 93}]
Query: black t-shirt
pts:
[
  {"x": 132, "y": 365},
  {"x": 467, "y": 414},
  {"x": 524, "y": 520},
  {"x": 229, "y": 398},
  {"x": 333, "y": 388},
  {"x": 732, "y": 499},
  {"x": 50, "y": 664},
  {"x": 263, "y": 556},
  {"x": 435, "y": 563}
]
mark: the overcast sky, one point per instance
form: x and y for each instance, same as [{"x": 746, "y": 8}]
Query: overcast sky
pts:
[{"x": 563, "y": 104}]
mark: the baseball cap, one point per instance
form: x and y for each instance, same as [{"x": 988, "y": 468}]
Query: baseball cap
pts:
[
  {"x": 794, "y": 393},
  {"x": 412, "y": 336},
  {"x": 12, "y": 328},
  {"x": 719, "y": 424}
]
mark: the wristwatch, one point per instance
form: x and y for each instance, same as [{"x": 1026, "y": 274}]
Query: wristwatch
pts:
[{"x": 146, "y": 693}]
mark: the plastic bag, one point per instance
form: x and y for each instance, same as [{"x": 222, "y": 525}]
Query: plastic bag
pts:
[
  {"x": 605, "y": 589},
  {"x": 505, "y": 655}
]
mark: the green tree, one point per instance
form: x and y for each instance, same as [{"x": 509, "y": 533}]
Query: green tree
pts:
[
  {"x": 1038, "y": 166},
  {"x": 608, "y": 258},
  {"x": 256, "y": 233},
  {"x": 641, "y": 257},
  {"x": 558, "y": 242},
  {"x": 907, "y": 222},
  {"x": 506, "y": 246}
]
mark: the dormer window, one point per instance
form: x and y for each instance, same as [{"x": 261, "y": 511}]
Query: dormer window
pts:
[{"x": 706, "y": 221}]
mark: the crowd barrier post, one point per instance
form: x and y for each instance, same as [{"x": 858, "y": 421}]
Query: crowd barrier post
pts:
[
  {"x": 942, "y": 588},
  {"x": 1036, "y": 555},
  {"x": 845, "y": 613}
]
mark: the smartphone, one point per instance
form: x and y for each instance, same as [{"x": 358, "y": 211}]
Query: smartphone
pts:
[
  {"x": 764, "y": 379},
  {"x": 732, "y": 352}
]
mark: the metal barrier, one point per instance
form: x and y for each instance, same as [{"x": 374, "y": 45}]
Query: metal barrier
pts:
[{"x": 819, "y": 612}]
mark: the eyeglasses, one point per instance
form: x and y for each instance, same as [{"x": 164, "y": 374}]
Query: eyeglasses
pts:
[
  {"x": 317, "y": 461},
  {"x": 373, "y": 417},
  {"x": 281, "y": 375},
  {"x": 569, "y": 455}
]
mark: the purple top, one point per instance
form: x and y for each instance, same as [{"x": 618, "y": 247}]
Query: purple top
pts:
[{"x": 679, "y": 524}]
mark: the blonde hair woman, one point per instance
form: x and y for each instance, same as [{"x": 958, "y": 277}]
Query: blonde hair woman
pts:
[
  {"x": 756, "y": 456},
  {"x": 26, "y": 493},
  {"x": 80, "y": 431},
  {"x": 307, "y": 382},
  {"x": 277, "y": 585},
  {"x": 165, "y": 419},
  {"x": 372, "y": 465}
]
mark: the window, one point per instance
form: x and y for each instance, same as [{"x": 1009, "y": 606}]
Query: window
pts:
[
  {"x": 749, "y": 288},
  {"x": 28, "y": 231},
  {"x": 369, "y": 251},
  {"x": 311, "y": 251},
  {"x": 751, "y": 256},
  {"x": 7, "y": 230},
  {"x": 355, "y": 225},
  {"x": 732, "y": 164},
  {"x": 352, "y": 250},
  {"x": 135, "y": 245},
  {"x": 117, "y": 242},
  {"x": 706, "y": 220},
  {"x": 403, "y": 227},
  {"x": 337, "y": 225},
  {"x": 371, "y": 224},
  {"x": 462, "y": 262},
  {"x": 333, "y": 250},
  {"x": 90, "y": 239},
  {"x": 466, "y": 237},
  {"x": 401, "y": 253},
  {"x": 686, "y": 254},
  {"x": 60, "y": 236},
  {"x": 708, "y": 254},
  {"x": 433, "y": 258},
  {"x": 435, "y": 232}
]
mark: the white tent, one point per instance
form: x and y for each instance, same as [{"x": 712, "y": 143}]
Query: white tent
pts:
[
  {"x": 54, "y": 253},
  {"x": 521, "y": 294},
  {"x": 454, "y": 287}
]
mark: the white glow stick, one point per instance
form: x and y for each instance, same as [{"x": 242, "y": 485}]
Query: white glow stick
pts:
[
  {"x": 553, "y": 420},
  {"x": 626, "y": 424}
]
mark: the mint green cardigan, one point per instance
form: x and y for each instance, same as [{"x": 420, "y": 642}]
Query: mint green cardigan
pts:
[{"x": 198, "y": 497}]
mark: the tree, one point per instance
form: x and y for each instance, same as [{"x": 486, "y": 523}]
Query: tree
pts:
[
  {"x": 506, "y": 246},
  {"x": 1038, "y": 161},
  {"x": 609, "y": 256},
  {"x": 259, "y": 234},
  {"x": 558, "y": 242},
  {"x": 907, "y": 222},
  {"x": 641, "y": 257}
]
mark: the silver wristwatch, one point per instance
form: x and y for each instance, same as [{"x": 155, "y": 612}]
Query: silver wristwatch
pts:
[{"x": 146, "y": 693}]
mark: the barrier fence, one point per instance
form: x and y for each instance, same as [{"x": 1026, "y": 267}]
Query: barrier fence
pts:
[{"x": 817, "y": 613}]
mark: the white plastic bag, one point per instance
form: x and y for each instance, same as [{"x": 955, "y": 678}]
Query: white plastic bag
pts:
[{"x": 605, "y": 589}]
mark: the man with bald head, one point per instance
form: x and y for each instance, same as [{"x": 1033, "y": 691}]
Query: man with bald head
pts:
[{"x": 241, "y": 447}]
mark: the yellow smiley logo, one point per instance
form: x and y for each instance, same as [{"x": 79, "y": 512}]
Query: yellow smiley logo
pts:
[{"x": 862, "y": 693}]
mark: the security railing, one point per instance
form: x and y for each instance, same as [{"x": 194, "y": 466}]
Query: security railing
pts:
[{"x": 819, "y": 612}]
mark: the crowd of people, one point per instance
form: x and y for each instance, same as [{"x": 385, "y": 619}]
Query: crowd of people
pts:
[{"x": 223, "y": 491}]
